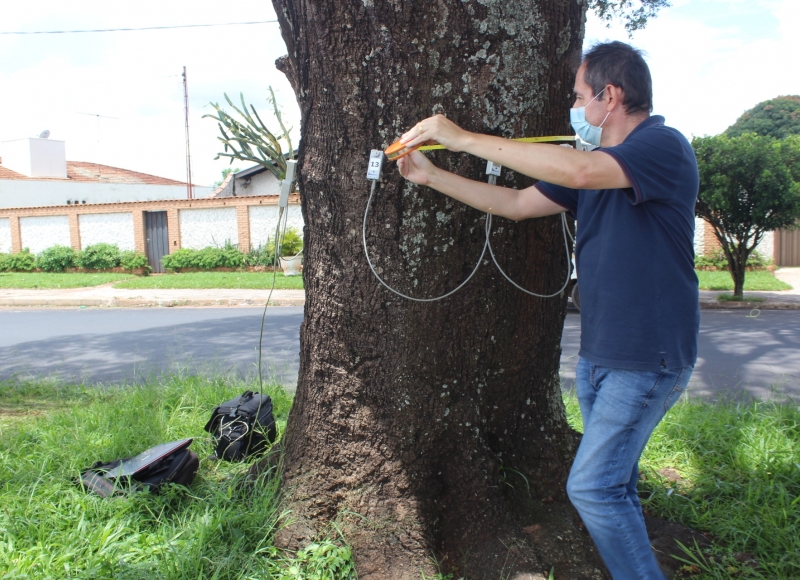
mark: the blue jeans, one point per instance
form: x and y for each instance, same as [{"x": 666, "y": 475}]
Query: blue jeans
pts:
[{"x": 620, "y": 409}]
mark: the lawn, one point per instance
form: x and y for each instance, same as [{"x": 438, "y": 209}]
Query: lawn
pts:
[
  {"x": 250, "y": 280},
  {"x": 738, "y": 467},
  {"x": 756, "y": 280},
  {"x": 46, "y": 281}
]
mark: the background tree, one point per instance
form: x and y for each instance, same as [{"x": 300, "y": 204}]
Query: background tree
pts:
[
  {"x": 749, "y": 185},
  {"x": 777, "y": 118},
  {"x": 225, "y": 173},
  {"x": 429, "y": 429}
]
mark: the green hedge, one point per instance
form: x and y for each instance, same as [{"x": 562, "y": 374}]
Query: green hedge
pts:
[
  {"x": 230, "y": 256},
  {"x": 59, "y": 258},
  {"x": 717, "y": 260},
  {"x": 99, "y": 257},
  {"x": 56, "y": 259},
  {"x": 205, "y": 259},
  {"x": 22, "y": 262}
]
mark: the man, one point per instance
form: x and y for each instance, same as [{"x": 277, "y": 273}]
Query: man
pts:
[{"x": 634, "y": 202}]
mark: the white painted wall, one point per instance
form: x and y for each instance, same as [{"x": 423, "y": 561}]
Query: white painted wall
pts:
[
  {"x": 39, "y": 233},
  {"x": 767, "y": 246},
  {"x": 108, "y": 228},
  {"x": 5, "y": 236},
  {"x": 35, "y": 157},
  {"x": 264, "y": 219},
  {"x": 201, "y": 228},
  {"x": 699, "y": 238},
  {"x": 32, "y": 193}
]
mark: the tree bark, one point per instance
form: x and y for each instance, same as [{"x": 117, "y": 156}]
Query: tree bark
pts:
[{"x": 429, "y": 430}]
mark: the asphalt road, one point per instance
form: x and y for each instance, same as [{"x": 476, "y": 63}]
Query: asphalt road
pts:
[
  {"x": 127, "y": 345},
  {"x": 740, "y": 353}
]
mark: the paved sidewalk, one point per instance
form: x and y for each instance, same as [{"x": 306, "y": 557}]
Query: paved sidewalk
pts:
[
  {"x": 108, "y": 296},
  {"x": 783, "y": 300}
]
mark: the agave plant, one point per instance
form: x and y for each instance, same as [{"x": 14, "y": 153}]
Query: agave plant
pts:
[{"x": 250, "y": 140}]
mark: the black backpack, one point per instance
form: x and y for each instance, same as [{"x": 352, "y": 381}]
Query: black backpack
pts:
[
  {"x": 166, "y": 463},
  {"x": 242, "y": 426}
]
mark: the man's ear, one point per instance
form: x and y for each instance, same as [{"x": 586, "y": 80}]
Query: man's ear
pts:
[{"x": 615, "y": 97}]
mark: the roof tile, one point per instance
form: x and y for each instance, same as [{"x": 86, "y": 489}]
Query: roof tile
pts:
[{"x": 81, "y": 171}]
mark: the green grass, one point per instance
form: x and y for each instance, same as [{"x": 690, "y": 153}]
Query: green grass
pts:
[
  {"x": 756, "y": 280},
  {"x": 739, "y": 465},
  {"x": 45, "y": 280},
  {"x": 732, "y": 298},
  {"x": 219, "y": 528},
  {"x": 250, "y": 280}
]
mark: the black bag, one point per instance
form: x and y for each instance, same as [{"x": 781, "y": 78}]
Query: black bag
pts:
[
  {"x": 242, "y": 426},
  {"x": 166, "y": 463}
]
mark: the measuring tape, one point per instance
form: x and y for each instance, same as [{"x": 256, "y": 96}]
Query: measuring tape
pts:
[{"x": 397, "y": 150}]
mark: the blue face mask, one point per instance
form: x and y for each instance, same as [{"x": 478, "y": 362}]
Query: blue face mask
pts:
[{"x": 583, "y": 128}]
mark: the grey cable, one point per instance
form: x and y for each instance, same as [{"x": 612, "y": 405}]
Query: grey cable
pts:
[
  {"x": 371, "y": 267},
  {"x": 487, "y": 244},
  {"x": 566, "y": 247}
]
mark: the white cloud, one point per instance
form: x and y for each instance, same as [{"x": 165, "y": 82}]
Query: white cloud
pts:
[
  {"x": 711, "y": 60},
  {"x": 708, "y": 70},
  {"x": 47, "y": 80}
]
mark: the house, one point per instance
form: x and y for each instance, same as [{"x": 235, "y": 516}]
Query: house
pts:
[
  {"x": 46, "y": 200},
  {"x": 34, "y": 172},
  {"x": 257, "y": 180}
]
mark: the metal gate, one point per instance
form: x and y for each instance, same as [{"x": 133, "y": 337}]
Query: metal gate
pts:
[
  {"x": 787, "y": 248},
  {"x": 155, "y": 228}
]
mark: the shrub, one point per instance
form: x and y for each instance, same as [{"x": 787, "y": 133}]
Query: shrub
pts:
[
  {"x": 292, "y": 243},
  {"x": 99, "y": 257},
  {"x": 56, "y": 259},
  {"x": 717, "y": 261},
  {"x": 21, "y": 262},
  {"x": 231, "y": 257},
  {"x": 261, "y": 256},
  {"x": 131, "y": 260},
  {"x": 205, "y": 259}
]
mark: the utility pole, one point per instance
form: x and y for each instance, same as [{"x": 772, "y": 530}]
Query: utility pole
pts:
[{"x": 189, "y": 191}]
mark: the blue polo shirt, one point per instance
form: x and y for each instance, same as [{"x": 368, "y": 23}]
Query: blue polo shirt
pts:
[{"x": 635, "y": 254}]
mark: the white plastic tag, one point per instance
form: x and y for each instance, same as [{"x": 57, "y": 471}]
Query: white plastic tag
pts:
[
  {"x": 493, "y": 168},
  {"x": 375, "y": 164},
  {"x": 286, "y": 184}
]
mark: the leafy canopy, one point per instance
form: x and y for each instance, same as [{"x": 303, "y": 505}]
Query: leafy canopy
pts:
[
  {"x": 634, "y": 14},
  {"x": 778, "y": 118},
  {"x": 749, "y": 185}
]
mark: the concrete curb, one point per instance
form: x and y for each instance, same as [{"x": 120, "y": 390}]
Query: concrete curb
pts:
[
  {"x": 143, "y": 302},
  {"x": 720, "y": 305}
]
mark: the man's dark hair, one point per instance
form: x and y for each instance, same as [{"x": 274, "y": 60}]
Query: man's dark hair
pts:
[{"x": 619, "y": 64}]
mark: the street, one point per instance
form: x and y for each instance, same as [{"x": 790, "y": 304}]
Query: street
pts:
[{"x": 740, "y": 352}]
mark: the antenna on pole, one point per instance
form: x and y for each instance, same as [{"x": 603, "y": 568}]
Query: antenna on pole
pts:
[
  {"x": 97, "y": 162},
  {"x": 189, "y": 192}
]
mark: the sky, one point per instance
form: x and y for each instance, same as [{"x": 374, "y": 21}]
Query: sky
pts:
[{"x": 116, "y": 98}]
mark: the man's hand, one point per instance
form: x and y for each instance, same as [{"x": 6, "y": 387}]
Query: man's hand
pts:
[
  {"x": 416, "y": 168},
  {"x": 439, "y": 129}
]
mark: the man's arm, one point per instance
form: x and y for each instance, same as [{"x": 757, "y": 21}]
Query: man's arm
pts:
[
  {"x": 510, "y": 203},
  {"x": 560, "y": 165}
]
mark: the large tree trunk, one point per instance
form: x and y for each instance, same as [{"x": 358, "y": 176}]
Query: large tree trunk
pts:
[{"x": 429, "y": 430}]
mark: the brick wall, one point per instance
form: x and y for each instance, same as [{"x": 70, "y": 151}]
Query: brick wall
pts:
[{"x": 137, "y": 209}]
